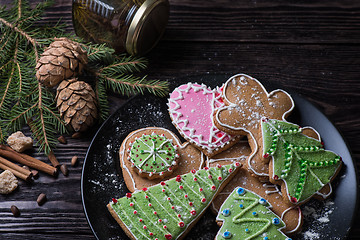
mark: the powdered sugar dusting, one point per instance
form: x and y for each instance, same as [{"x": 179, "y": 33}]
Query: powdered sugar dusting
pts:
[
  {"x": 317, "y": 215},
  {"x": 311, "y": 235}
]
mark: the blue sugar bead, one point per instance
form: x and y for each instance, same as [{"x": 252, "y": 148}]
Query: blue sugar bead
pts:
[
  {"x": 276, "y": 221},
  {"x": 226, "y": 212},
  {"x": 240, "y": 191},
  {"x": 227, "y": 234}
]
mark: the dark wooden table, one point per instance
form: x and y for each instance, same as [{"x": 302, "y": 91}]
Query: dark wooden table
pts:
[{"x": 310, "y": 47}]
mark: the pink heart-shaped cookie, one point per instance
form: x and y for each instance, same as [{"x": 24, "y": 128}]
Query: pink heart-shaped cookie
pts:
[{"x": 191, "y": 108}]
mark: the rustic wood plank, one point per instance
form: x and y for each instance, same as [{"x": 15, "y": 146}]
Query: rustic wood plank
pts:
[{"x": 250, "y": 21}]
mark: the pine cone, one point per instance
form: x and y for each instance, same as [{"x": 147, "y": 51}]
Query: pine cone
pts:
[
  {"x": 77, "y": 104},
  {"x": 63, "y": 59}
]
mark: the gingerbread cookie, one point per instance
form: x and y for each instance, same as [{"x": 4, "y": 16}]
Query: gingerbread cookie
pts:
[
  {"x": 292, "y": 216},
  {"x": 189, "y": 158},
  {"x": 169, "y": 210},
  {"x": 246, "y": 102},
  {"x": 299, "y": 163},
  {"x": 191, "y": 108},
  {"x": 152, "y": 155},
  {"x": 246, "y": 215}
]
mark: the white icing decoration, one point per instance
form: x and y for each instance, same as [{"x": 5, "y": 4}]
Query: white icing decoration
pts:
[
  {"x": 277, "y": 190},
  {"x": 299, "y": 221}
]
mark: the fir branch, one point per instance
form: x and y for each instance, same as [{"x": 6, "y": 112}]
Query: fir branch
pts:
[
  {"x": 129, "y": 85},
  {"x": 1, "y": 134},
  {"x": 23, "y": 100},
  {"x": 21, "y": 115},
  {"x": 56, "y": 120},
  {"x": 24, "y": 34},
  {"x": 124, "y": 64},
  {"x": 97, "y": 53},
  {"x": 44, "y": 138},
  {"x": 6, "y": 90},
  {"x": 103, "y": 102}
]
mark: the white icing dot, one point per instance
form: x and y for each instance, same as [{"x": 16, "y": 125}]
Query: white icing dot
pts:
[{"x": 259, "y": 103}]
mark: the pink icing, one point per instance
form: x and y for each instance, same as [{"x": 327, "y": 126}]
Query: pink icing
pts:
[{"x": 191, "y": 107}]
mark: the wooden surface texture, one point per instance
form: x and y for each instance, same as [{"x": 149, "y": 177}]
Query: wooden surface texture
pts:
[{"x": 309, "y": 47}]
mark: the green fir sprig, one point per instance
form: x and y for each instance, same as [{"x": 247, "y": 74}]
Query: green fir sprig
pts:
[{"x": 23, "y": 100}]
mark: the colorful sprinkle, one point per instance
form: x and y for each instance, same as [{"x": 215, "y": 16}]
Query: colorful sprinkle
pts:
[
  {"x": 240, "y": 191},
  {"x": 262, "y": 201},
  {"x": 227, "y": 235},
  {"x": 276, "y": 221},
  {"x": 226, "y": 212}
]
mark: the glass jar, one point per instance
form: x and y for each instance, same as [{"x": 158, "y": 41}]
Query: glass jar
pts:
[{"x": 134, "y": 26}]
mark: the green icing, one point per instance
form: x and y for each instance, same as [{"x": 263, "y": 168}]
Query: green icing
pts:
[
  {"x": 245, "y": 215},
  {"x": 166, "y": 209},
  {"x": 152, "y": 153},
  {"x": 299, "y": 160}
]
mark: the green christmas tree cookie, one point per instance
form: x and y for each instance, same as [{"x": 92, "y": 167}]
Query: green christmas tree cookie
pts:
[
  {"x": 169, "y": 209},
  {"x": 246, "y": 215},
  {"x": 153, "y": 155},
  {"x": 298, "y": 160}
]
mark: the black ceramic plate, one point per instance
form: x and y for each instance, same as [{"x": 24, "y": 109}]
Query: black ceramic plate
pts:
[{"x": 102, "y": 178}]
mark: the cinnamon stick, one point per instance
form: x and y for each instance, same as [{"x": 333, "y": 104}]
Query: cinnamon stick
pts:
[
  {"x": 27, "y": 160},
  {"x": 15, "y": 169}
]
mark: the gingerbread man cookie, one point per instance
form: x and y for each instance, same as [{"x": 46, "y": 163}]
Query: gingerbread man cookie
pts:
[{"x": 246, "y": 102}]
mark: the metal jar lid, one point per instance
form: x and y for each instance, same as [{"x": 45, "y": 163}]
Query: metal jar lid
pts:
[{"x": 147, "y": 26}]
